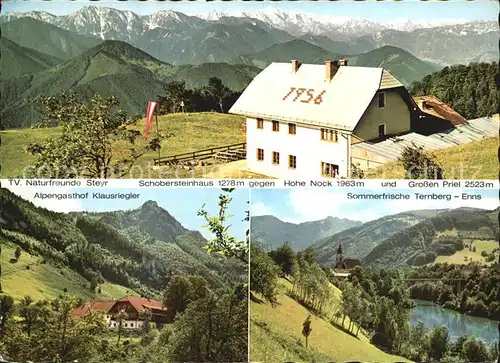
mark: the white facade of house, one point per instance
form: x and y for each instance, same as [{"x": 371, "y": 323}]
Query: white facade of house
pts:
[
  {"x": 126, "y": 324},
  {"x": 332, "y": 99},
  {"x": 310, "y": 151}
]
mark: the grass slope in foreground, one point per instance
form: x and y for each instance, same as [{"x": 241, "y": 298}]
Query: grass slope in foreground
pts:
[
  {"x": 474, "y": 160},
  {"x": 192, "y": 132},
  {"x": 43, "y": 281},
  {"x": 275, "y": 335}
]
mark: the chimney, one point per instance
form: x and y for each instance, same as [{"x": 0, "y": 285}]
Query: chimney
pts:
[
  {"x": 331, "y": 68},
  {"x": 343, "y": 62},
  {"x": 295, "y": 66}
]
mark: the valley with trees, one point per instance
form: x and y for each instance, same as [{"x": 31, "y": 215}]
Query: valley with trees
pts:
[
  {"x": 424, "y": 288},
  {"x": 52, "y": 263}
]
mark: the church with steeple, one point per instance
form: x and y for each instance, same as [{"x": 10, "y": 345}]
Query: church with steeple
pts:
[{"x": 342, "y": 263}]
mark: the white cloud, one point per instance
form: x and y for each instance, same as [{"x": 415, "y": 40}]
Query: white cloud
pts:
[
  {"x": 315, "y": 204},
  {"x": 62, "y": 206},
  {"x": 261, "y": 209}
]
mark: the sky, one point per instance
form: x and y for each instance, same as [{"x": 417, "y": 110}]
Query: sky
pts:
[
  {"x": 182, "y": 204},
  {"x": 303, "y": 205},
  {"x": 373, "y": 10}
]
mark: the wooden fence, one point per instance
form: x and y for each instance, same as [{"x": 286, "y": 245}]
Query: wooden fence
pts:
[{"x": 199, "y": 154}]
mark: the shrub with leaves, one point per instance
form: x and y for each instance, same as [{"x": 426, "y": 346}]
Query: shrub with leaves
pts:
[
  {"x": 224, "y": 244},
  {"x": 419, "y": 164},
  {"x": 90, "y": 132}
]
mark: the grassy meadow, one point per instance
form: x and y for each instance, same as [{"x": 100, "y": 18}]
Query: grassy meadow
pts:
[
  {"x": 197, "y": 131},
  {"x": 475, "y": 160},
  {"x": 467, "y": 256},
  {"x": 275, "y": 335},
  {"x": 31, "y": 277},
  {"x": 192, "y": 132}
]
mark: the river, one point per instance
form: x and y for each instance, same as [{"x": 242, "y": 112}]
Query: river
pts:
[{"x": 458, "y": 324}]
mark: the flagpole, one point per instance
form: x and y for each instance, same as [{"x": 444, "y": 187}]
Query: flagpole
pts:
[{"x": 158, "y": 134}]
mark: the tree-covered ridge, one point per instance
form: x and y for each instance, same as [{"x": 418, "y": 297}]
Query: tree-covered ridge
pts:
[
  {"x": 358, "y": 241},
  {"x": 114, "y": 69},
  {"x": 135, "y": 257},
  {"x": 410, "y": 238},
  {"x": 470, "y": 90},
  {"x": 272, "y": 232},
  {"x": 423, "y": 242}
]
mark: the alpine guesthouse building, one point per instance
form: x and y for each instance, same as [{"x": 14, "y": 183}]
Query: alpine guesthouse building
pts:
[{"x": 302, "y": 119}]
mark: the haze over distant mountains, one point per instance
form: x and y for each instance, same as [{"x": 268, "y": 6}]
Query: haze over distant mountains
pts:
[
  {"x": 179, "y": 38},
  {"x": 272, "y": 232}
]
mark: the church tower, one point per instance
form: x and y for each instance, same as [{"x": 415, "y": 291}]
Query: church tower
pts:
[{"x": 340, "y": 257}]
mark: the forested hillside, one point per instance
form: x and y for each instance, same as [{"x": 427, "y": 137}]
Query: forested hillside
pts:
[
  {"x": 141, "y": 253},
  {"x": 114, "y": 68},
  {"x": 291, "y": 294},
  {"x": 470, "y": 90},
  {"x": 358, "y": 241},
  {"x": 18, "y": 61},
  {"x": 442, "y": 235}
]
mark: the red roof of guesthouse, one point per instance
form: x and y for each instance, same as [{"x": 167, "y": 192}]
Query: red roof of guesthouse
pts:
[
  {"x": 140, "y": 303},
  {"x": 93, "y": 305}
]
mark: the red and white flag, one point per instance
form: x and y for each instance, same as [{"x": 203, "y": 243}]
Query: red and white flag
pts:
[{"x": 149, "y": 117}]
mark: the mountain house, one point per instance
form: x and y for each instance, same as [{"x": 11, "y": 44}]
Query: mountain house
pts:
[
  {"x": 306, "y": 120},
  {"x": 133, "y": 307}
]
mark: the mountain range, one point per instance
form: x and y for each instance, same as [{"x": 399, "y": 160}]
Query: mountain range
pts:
[
  {"x": 180, "y": 38},
  {"x": 400, "y": 240},
  {"x": 271, "y": 232},
  {"x": 119, "y": 53},
  {"x": 116, "y": 68},
  {"x": 140, "y": 249},
  {"x": 112, "y": 68}
]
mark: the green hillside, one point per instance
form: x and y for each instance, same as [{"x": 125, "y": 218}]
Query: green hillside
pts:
[
  {"x": 236, "y": 77},
  {"x": 51, "y": 263},
  {"x": 139, "y": 249},
  {"x": 403, "y": 65},
  {"x": 358, "y": 241},
  {"x": 414, "y": 238},
  {"x": 192, "y": 132},
  {"x": 443, "y": 235},
  {"x": 106, "y": 69},
  {"x": 400, "y": 63},
  {"x": 47, "y": 38},
  {"x": 284, "y": 52},
  {"x": 112, "y": 68},
  {"x": 485, "y": 252},
  {"x": 38, "y": 278},
  {"x": 17, "y": 61},
  {"x": 275, "y": 335},
  {"x": 474, "y": 160}
]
